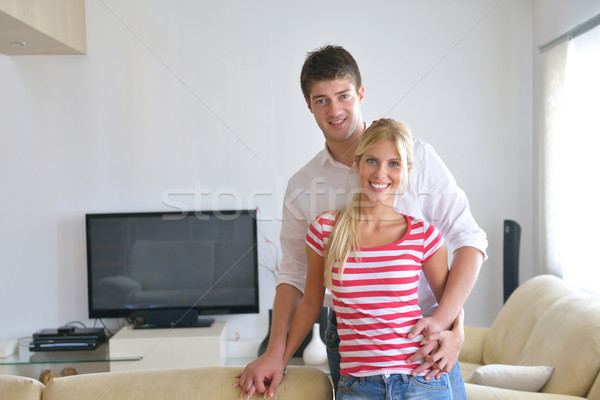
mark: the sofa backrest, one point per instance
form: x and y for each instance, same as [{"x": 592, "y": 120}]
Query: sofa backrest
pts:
[
  {"x": 183, "y": 384},
  {"x": 548, "y": 322},
  {"x": 567, "y": 336},
  {"x": 513, "y": 325}
]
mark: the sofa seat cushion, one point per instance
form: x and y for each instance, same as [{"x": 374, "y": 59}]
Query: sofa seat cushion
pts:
[
  {"x": 515, "y": 377},
  {"x": 467, "y": 369},
  {"x": 183, "y": 384},
  {"x": 479, "y": 392}
]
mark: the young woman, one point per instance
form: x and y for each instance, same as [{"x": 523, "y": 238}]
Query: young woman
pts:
[{"x": 370, "y": 256}]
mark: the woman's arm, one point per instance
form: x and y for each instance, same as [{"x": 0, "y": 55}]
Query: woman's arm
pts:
[
  {"x": 449, "y": 304},
  {"x": 310, "y": 306},
  {"x": 436, "y": 272}
]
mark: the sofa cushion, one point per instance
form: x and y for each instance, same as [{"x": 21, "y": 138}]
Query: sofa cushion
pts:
[
  {"x": 512, "y": 327},
  {"x": 480, "y": 392},
  {"x": 516, "y": 377},
  {"x": 567, "y": 336}
]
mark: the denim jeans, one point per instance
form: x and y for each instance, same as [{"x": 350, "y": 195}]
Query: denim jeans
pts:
[
  {"x": 456, "y": 383},
  {"x": 394, "y": 386},
  {"x": 332, "y": 341}
]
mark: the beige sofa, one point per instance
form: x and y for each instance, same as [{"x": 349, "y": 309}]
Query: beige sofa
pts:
[
  {"x": 545, "y": 322},
  {"x": 215, "y": 383}
]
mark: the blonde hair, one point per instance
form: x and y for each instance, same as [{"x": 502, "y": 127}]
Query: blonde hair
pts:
[{"x": 344, "y": 236}]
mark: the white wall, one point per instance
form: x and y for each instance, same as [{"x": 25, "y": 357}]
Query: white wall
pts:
[{"x": 189, "y": 96}]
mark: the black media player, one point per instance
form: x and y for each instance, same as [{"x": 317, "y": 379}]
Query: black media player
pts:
[{"x": 65, "y": 339}]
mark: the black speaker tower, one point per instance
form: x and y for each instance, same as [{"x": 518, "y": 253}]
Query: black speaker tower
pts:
[{"x": 512, "y": 239}]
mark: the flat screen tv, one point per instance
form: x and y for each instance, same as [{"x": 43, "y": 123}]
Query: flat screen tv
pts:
[{"x": 167, "y": 268}]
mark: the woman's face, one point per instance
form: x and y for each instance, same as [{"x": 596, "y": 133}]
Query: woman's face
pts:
[{"x": 380, "y": 172}]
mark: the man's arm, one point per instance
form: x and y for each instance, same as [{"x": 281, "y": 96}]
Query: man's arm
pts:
[
  {"x": 461, "y": 280},
  {"x": 446, "y": 206},
  {"x": 310, "y": 306},
  {"x": 440, "y": 350},
  {"x": 466, "y": 264},
  {"x": 286, "y": 302},
  {"x": 266, "y": 372}
]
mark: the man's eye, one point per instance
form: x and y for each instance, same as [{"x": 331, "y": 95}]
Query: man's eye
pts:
[
  {"x": 320, "y": 101},
  {"x": 345, "y": 96}
]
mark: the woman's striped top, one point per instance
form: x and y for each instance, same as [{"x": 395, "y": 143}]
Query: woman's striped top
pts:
[{"x": 376, "y": 300}]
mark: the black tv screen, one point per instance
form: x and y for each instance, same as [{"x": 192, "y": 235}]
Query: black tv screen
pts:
[{"x": 206, "y": 262}]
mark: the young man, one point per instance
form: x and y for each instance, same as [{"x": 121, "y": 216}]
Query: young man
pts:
[{"x": 332, "y": 87}]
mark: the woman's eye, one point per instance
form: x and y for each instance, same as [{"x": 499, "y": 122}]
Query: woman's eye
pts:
[
  {"x": 394, "y": 164},
  {"x": 371, "y": 161}
]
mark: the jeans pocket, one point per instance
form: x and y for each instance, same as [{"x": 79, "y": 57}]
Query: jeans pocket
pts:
[
  {"x": 347, "y": 383},
  {"x": 432, "y": 384}
]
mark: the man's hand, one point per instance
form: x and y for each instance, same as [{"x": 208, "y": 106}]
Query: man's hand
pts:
[
  {"x": 440, "y": 348},
  {"x": 262, "y": 375}
]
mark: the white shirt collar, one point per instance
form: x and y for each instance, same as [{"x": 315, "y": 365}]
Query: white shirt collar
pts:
[{"x": 327, "y": 157}]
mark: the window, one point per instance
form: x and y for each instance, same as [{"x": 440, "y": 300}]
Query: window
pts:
[{"x": 571, "y": 158}]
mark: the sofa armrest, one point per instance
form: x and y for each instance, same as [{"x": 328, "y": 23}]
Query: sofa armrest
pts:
[
  {"x": 472, "y": 350},
  {"x": 19, "y": 387}
]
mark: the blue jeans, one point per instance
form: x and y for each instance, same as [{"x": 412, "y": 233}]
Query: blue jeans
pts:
[
  {"x": 332, "y": 344},
  {"x": 332, "y": 341},
  {"x": 394, "y": 386}
]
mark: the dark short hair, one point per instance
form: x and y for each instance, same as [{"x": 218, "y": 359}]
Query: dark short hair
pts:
[{"x": 328, "y": 63}]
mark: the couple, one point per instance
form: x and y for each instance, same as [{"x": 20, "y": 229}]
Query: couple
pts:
[{"x": 392, "y": 208}]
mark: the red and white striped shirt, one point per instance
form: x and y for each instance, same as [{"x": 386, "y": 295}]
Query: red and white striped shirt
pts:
[{"x": 376, "y": 300}]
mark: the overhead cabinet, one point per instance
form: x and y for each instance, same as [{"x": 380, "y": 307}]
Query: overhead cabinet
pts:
[{"x": 42, "y": 27}]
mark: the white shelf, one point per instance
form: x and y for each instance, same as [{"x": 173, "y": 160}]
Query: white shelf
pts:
[{"x": 168, "y": 348}]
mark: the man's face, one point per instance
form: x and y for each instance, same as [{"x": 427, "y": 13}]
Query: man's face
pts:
[{"x": 336, "y": 107}]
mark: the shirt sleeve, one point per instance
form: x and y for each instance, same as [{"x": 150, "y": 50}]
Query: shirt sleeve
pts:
[
  {"x": 443, "y": 203},
  {"x": 315, "y": 237},
  {"x": 292, "y": 270},
  {"x": 432, "y": 241}
]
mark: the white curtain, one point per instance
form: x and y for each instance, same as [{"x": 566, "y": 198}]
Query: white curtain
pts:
[{"x": 572, "y": 160}]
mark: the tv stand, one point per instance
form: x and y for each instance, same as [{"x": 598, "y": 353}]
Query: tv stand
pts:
[
  {"x": 168, "y": 348},
  {"x": 201, "y": 323},
  {"x": 169, "y": 318},
  {"x": 205, "y": 322}
]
